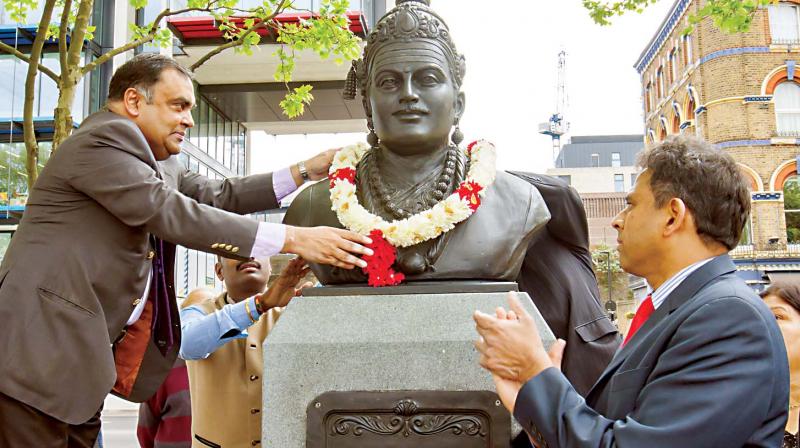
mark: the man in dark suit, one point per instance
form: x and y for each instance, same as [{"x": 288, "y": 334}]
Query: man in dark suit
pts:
[
  {"x": 703, "y": 365},
  {"x": 557, "y": 274},
  {"x": 87, "y": 301}
]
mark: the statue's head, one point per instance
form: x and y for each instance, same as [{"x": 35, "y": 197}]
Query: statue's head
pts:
[{"x": 410, "y": 80}]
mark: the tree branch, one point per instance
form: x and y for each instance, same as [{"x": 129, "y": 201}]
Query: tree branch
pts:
[
  {"x": 62, "y": 36},
  {"x": 22, "y": 56},
  {"x": 151, "y": 34},
  {"x": 78, "y": 34},
  {"x": 266, "y": 22}
]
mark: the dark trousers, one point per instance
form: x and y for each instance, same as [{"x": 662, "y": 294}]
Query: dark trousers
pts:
[{"x": 24, "y": 426}]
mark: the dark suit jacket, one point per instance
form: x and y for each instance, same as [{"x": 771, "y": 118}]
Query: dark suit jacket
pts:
[
  {"x": 707, "y": 369},
  {"x": 557, "y": 274},
  {"x": 79, "y": 261}
]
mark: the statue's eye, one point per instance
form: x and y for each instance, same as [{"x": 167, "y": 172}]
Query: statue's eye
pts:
[
  {"x": 387, "y": 83},
  {"x": 429, "y": 79}
]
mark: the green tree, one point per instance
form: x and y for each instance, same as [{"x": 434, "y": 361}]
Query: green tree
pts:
[
  {"x": 609, "y": 273},
  {"x": 327, "y": 33},
  {"x": 732, "y": 16}
]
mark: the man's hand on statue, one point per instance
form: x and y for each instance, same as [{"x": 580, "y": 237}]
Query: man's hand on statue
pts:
[
  {"x": 511, "y": 347},
  {"x": 327, "y": 245},
  {"x": 319, "y": 165},
  {"x": 284, "y": 288}
]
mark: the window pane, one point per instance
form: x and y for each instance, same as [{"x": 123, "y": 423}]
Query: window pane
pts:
[
  {"x": 783, "y": 23},
  {"x": 615, "y": 159},
  {"x": 619, "y": 183},
  {"x": 791, "y": 201},
  {"x": 787, "y": 108}
]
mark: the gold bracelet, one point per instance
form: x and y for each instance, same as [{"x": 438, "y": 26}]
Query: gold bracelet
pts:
[{"x": 247, "y": 308}]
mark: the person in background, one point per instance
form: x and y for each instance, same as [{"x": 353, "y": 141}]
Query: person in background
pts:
[
  {"x": 784, "y": 301},
  {"x": 222, "y": 345},
  {"x": 165, "y": 420}
]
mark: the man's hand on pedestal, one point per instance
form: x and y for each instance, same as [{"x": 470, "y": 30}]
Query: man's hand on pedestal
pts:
[{"x": 327, "y": 245}]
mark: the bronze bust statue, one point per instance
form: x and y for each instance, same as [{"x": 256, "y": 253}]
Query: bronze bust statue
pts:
[{"x": 409, "y": 79}]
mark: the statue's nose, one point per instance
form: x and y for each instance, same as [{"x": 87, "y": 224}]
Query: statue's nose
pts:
[{"x": 409, "y": 94}]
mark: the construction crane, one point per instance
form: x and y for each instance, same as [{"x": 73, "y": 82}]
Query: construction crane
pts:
[{"x": 557, "y": 125}]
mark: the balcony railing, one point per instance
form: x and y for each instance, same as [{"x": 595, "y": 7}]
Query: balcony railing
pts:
[{"x": 748, "y": 251}]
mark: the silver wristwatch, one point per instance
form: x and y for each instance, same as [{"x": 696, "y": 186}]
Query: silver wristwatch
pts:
[{"x": 301, "y": 166}]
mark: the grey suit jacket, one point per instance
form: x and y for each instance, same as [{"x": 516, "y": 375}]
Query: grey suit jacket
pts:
[
  {"x": 78, "y": 263},
  {"x": 708, "y": 369}
]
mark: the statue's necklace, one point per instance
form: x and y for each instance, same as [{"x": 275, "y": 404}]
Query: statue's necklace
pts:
[
  {"x": 420, "y": 227},
  {"x": 426, "y": 198}
]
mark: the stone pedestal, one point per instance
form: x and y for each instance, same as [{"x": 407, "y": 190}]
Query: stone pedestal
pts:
[{"x": 387, "y": 339}]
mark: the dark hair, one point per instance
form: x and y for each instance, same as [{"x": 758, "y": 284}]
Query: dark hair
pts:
[
  {"x": 706, "y": 179},
  {"x": 142, "y": 72},
  {"x": 788, "y": 292}
]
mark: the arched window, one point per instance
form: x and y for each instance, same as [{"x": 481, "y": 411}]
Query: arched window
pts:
[
  {"x": 673, "y": 66},
  {"x": 659, "y": 83},
  {"x": 687, "y": 49},
  {"x": 787, "y": 109},
  {"x": 647, "y": 101},
  {"x": 676, "y": 123},
  {"x": 691, "y": 106},
  {"x": 662, "y": 129},
  {"x": 791, "y": 207}
]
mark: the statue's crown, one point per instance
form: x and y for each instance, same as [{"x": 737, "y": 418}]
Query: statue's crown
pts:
[{"x": 409, "y": 20}]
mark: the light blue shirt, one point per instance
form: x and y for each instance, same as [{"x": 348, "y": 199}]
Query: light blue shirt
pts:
[
  {"x": 202, "y": 334},
  {"x": 663, "y": 291}
]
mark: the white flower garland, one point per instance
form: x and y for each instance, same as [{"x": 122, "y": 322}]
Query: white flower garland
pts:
[{"x": 425, "y": 225}]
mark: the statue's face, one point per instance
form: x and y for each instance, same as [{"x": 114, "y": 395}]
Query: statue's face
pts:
[{"x": 413, "y": 99}]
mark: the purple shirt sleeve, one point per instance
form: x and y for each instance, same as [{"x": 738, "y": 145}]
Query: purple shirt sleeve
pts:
[
  {"x": 270, "y": 238},
  {"x": 283, "y": 183}
]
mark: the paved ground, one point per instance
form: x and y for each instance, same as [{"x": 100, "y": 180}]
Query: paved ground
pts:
[{"x": 119, "y": 430}]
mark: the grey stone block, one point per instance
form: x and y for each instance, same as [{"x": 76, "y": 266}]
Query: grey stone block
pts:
[{"x": 371, "y": 343}]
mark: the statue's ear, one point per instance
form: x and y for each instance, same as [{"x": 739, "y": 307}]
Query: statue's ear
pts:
[{"x": 460, "y": 105}]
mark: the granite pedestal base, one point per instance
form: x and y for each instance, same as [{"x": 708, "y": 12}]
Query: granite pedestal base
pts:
[{"x": 367, "y": 342}]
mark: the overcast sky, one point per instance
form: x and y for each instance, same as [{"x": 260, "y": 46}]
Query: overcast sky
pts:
[{"x": 511, "y": 48}]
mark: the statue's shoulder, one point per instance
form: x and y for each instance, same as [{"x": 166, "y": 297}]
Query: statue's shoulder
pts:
[
  {"x": 509, "y": 195},
  {"x": 312, "y": 207}
]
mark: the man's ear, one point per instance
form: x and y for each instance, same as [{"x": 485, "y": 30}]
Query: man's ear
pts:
[
  {"x": 130, "y": 101},
  {"x": 218, "y": 270},
  {"x": 678, "y": 216}
]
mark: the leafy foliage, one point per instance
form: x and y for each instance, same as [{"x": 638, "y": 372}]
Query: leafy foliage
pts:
[
  {"x": 731, "y": 16},
  {"x": 791, "y": 201}
]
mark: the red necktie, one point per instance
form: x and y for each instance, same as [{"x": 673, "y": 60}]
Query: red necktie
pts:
[{"x": 642, "y": 314}]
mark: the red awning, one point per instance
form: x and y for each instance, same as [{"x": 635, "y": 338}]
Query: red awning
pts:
[{"x": 202, "y": 30}]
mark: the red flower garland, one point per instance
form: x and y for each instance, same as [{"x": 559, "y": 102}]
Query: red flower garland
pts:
[
  {"x": 469, "y": 192},
  {"x": 347, "y": 174},
  {"x": 379, "y": 265}
]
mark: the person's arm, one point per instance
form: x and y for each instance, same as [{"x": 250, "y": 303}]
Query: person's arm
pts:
[
  {"x": 202, "y": 334},
  {"x": 254, "y": 193},
  {"x": 129, "y": 189},
  {"x": 706, "y": 376}
]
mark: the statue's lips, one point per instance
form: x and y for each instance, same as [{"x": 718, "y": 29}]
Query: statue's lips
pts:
[{"x": 410, "y": 114}]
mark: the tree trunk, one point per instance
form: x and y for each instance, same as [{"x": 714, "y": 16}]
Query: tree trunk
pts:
[
  {"x": 31, "y": 145},
  {"x": 63, "y": 114}
]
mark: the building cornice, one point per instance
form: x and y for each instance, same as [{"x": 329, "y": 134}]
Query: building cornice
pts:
[{"x": 667, "y": 26}]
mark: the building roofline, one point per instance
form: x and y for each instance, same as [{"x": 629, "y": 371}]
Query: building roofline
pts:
[{"x": 667, "y": 25}]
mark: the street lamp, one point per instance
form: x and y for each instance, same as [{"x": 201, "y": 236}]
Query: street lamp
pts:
[{"x": 610, "y": 305}]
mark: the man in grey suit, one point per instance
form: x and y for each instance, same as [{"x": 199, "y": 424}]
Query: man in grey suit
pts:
[
  {"x": 703, "y": 364},
  {"x": 87, "y": 301}
]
